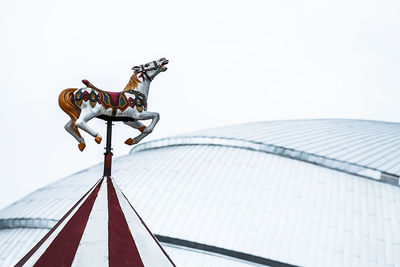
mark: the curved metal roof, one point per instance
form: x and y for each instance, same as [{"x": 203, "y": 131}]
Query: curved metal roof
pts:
[
  {"x": 365, "y": 148},
  {"x": 236, "y": 199}
]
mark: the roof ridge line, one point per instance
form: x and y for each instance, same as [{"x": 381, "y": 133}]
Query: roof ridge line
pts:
[{"x": 327, "y": 162}]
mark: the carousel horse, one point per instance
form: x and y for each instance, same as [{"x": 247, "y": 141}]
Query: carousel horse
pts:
[{"x": 128, "y": 106}]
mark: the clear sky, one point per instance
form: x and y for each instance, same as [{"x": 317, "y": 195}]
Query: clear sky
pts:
[{"x": 230, "y": 62}]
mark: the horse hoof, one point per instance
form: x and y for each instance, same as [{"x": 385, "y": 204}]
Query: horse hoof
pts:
[
  {"x": 129, "y": 141},
  {"x": 81, "y": 146},
  {"x": 98, "y": 139},
  {"x": 141, "y": 128}
]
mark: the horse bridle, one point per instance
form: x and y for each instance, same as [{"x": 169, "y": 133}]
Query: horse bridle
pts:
[{"x": 143, "y": 71}]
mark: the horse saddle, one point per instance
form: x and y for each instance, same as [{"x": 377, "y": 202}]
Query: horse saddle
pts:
[{"x": 115, "y": 100}]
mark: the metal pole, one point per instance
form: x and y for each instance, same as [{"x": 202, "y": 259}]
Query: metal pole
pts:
[{"x": 108, "y": 155}]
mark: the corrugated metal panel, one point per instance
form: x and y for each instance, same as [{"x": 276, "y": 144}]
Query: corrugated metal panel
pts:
[
  {"x": 198, "y": 259},
  {"x": 16, "y": 242},
  {"x": 365, "y": 148},
  {"x": 338, "y": 139}
]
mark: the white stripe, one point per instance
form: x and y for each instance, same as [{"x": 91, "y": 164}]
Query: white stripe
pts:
[
  {"x": 150, "y": 253},
  {"x": 32, "y": 260},
  {"x": 93, "y": 248}
]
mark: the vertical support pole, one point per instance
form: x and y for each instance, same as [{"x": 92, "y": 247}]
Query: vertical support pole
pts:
[{"x": 108, "y": 155}]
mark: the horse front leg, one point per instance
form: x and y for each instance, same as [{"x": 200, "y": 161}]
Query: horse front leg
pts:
[{"x": 145, "y": 115}]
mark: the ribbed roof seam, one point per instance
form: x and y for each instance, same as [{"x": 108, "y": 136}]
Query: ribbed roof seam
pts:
[
  {"x": 37, "y": 223},
  {"x": 323, "y": 161}
]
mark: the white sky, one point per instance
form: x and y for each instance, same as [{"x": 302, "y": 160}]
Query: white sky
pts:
[{"x": 230, "y": 62}]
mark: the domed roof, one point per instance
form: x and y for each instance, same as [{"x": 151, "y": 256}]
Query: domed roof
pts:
[{"x": 249, "y": 192}]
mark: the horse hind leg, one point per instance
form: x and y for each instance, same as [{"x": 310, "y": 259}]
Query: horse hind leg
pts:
[
  {"x": 69, "y": 127},
  {"x": 85, "y": 116},
  {"x": 136, "y": 125}
]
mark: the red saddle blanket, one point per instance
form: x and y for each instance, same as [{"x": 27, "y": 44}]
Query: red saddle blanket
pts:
[
  {"x": 114, "y": 98},
  {"x": 118, "y": 100}
]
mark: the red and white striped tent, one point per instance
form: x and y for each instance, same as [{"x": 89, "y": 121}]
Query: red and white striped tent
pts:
[{"x": 101, "y": 229}]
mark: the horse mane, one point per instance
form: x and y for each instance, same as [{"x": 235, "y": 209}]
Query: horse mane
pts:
[{"x": 133, "y": 83}]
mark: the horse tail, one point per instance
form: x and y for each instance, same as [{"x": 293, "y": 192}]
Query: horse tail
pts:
[{"x": 66, "y": 104}]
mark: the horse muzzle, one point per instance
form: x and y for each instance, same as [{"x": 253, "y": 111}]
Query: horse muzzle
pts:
[{"x": 163, "y": 67}]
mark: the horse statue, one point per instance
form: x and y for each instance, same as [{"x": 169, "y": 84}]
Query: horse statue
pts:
[{"x": 128, "y": 106}]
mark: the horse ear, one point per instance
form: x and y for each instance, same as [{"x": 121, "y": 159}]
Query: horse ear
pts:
[{"x": 136, "y": 68}]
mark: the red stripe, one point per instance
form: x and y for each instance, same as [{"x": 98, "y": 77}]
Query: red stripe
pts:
[
  {"x": 33, "y": 250},
  {"x": 150, "y": 233},
  {"x": 61, "y": 251},
  {"x": 122, "y": 250}
]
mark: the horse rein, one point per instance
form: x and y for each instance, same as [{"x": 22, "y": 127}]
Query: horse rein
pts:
[{"x": 144, "y": 71}]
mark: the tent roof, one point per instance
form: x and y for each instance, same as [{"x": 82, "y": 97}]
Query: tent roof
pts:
[{"x": 101, "y": 229}]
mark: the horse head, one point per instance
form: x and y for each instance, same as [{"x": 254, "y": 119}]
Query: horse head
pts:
[{"x": 150, "y": 70}]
